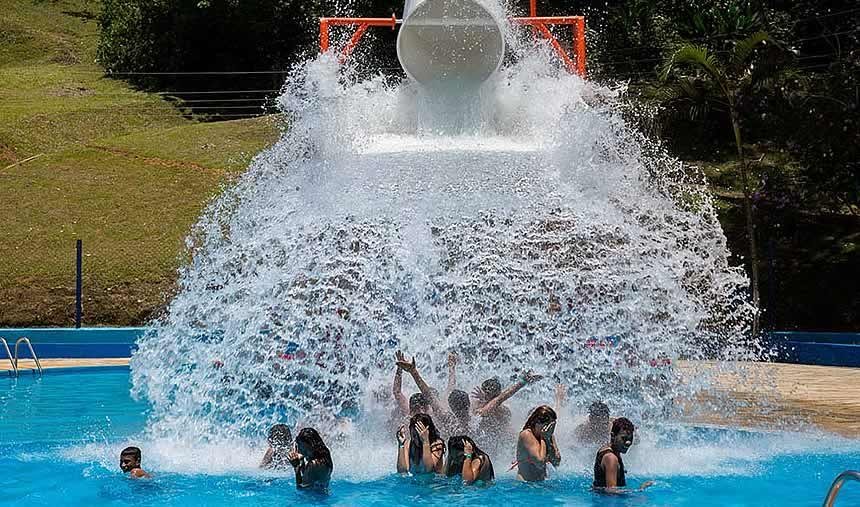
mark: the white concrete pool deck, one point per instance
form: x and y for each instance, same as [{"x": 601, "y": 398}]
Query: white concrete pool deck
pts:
[
  {"x": 772, "y": 395},
  {"x": 29, "y": 364},
  {"x": 775, "y": 395}
]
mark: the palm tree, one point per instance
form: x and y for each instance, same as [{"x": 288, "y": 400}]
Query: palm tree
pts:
[{"x": 722, "y": 83}]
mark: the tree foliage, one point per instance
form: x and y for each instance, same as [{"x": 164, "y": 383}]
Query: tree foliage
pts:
[
  {"x": 728, "y": 81},
  {"x": 162, "y": 44}
]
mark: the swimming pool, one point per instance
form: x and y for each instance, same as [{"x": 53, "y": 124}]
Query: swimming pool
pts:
[{"x": 60, "y": 438}]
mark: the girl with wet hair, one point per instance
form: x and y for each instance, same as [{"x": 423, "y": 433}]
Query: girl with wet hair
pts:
[
  {"x": 536, "y": 445},
  {"x": 467, "y": 460},
  {"x": 311, "y": 460},
  {"x": 420, "y": 448}
]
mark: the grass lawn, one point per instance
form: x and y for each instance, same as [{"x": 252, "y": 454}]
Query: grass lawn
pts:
[{"x": 90, "y": 158}]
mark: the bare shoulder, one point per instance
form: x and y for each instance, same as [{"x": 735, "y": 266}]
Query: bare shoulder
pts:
[
  {"x": 139, "y": 473},
  {"x": 527, "y": 436},
  {"x": 527, "y": 443},
  {"x": 609, "y": 460}
]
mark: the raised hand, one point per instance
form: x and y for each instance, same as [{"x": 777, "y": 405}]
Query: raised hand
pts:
[
  {"x": 452, "y": 359},
  {"x": 403, "y": 363},
  {"x": 467, "y": 448},
  {"x": 548, "y": 431},
  {"x": 423, "y": 432},
  {"x": 478, "y": 394},
  {"x": 401, "y": 435},
  {"x": 530, "y": 377},
  {"x": 295, "y": 458}
]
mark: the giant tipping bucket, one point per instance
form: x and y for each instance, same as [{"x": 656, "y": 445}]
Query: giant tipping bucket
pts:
[{"x": 449, "y": 43}]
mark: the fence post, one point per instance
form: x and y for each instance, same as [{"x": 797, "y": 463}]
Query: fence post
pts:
[
  {"x": 78, "y": 282},
  {"x": 771, "y": 285}
]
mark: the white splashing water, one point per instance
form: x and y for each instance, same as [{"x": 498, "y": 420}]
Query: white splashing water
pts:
[{"x": 514, "y": 225}]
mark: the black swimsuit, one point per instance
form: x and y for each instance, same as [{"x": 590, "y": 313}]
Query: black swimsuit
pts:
[{"x": 600, "y": 473}]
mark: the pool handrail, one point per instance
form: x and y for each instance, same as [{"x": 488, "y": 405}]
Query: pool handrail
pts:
[
  {"x": 9, "y": 355},
  {"x": 837, "y": 485},
  {"x": 26, "y": 341}
]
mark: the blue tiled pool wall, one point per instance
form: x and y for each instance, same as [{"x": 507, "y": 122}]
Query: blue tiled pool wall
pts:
[
  {"x": 826, "y": 349},
  {"x": 101, "y": 342}
]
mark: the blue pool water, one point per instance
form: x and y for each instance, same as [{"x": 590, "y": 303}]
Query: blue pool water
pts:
[{"x": 60, "y": 437}]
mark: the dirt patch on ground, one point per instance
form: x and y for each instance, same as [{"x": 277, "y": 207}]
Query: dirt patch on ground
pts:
[
  {"x": 154, "y": 161},
  {"x": 65, "y": 56},
  {"x": 35, "y": 304},
  {"x": 7, "y": 156},
  {"x": 71, "y": 91}
]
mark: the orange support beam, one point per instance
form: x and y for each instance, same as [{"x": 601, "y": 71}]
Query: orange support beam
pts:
[
  {"x": 579, "y": 45},
  {"x": 323, "y": 35},
  {"x": 577, "y": 25},
  {"x": 540, "y": 24},
  {"x": 362, "y": 25}
]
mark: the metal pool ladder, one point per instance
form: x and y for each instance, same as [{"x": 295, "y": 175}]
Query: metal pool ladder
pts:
[
  {"x": 14, "y": 359},
  {"x": 837, "y": 485},
  {"x": 26, "y": 341},
  {"x": 9, "y": 355}
]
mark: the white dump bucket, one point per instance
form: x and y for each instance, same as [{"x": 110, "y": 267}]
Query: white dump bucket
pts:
[{"x": 449, "y": 42}]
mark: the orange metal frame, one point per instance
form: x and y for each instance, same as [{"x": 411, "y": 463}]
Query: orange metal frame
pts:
[
  {"x": 361, "y": 24},
  {"x": 541, "y": 25},
  {"x": 577, "y": 25}
]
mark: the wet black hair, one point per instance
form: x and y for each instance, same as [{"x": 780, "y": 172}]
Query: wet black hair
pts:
[
  {"x": 544, "y": 414},
  {"x": 459, "y": 402},
  {"x": 456, "y": 456},
  {"x": 598, "y": 409},
  {"x": 131, "y": 451},
  {"x": 281, "y": 434},
  {"x": 491, "y": 387},
  {"x": 311, "y": 438},
  {"x": 622, "y": 424},
  {"x": 418, "y": 401},
  {"x": 415, "y": 445}
]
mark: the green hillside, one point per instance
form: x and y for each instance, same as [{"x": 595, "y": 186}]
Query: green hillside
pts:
[{"x": 87, "y": 157}]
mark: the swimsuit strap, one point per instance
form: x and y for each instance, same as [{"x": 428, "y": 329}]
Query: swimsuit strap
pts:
[{"x": 437, "y": 446}]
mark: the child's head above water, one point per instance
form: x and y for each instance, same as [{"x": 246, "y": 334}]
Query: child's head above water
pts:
[
  {"x": 491, "y": 388},
  {"x": 418, "y": 404},
  {"x": 129, "y": 459},
  {"x": 622, "y": 434},
  {"x": 459, "y": 403}
]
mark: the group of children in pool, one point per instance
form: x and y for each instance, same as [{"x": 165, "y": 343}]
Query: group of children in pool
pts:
[{"x": 422, "y": 450}]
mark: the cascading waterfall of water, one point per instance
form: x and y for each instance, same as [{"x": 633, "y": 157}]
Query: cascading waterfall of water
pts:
[{"x": 514, "y": 225}]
